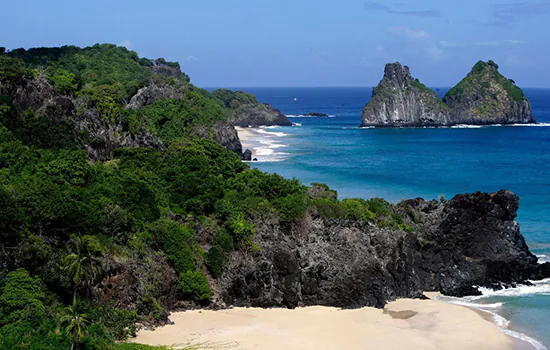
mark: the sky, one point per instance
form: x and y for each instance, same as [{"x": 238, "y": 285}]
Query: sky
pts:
[{"x": 245, "y": 43}]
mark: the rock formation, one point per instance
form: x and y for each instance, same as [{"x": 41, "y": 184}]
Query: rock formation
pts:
[
  {"x": 487, "y": 97},
  {"x": 471, "y": 240},
  {"x": 483, "y": 97},
  {"x": 247, "y": 111},
  {"x": 401, "y": 101}
]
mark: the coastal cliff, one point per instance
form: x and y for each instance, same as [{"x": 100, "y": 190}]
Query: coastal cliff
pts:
[
  {"x": 447, "y": 246},
  {"x": 401, "y": 101},
  {"x": 245, "y": 110},
  {"x": 486, "y": 97}
]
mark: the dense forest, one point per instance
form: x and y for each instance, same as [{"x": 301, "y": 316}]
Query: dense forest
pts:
[{"x": 110, "y": 216}]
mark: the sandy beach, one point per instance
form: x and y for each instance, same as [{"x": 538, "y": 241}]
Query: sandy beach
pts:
[
  {"x": 404, "y": 324},
  {"x": 265, "y": 144}
]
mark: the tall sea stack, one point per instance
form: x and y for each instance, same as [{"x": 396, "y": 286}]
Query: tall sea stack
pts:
[
  {"x": 486, "y": 97},
  {"x": 401, "y": 101}
]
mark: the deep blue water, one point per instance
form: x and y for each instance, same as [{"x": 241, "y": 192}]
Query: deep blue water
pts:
[{"x": 407, "y": 163}]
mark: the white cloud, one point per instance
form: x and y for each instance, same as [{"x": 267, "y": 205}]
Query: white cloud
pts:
[
  {"x": 419, "y": 42},
  {"x": 191, "y": 58},
  {"x": 127, "y": 44}
]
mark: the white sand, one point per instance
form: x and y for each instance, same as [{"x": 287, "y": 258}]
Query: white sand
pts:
[
  {"x": 247, "y": 136},
  {"x": 404, "y": 324}
]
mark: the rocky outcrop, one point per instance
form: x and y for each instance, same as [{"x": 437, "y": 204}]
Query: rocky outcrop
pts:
[
  {"x": 471, "y": 240},
  {"x": 401, "y": 101},
  {"x": 487, "y": 97},
  {"x": 247, "y": 155},
  {"x": 98, "y": 136},
  {"x": 245, "y": 110},
  {"x": 144, "y": 284},
  {"x": 221, "y": 132},
  {"x": 257, "y": 115},
  {"x": 152, "y": 93}
]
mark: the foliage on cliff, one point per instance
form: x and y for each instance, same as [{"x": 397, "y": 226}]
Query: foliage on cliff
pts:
[
  {"x": 479, "y": 80},
  {"x": 87, "y": 249}
]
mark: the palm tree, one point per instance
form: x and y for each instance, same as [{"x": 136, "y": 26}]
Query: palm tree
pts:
[
  {"x": 83, "y": 263},
  {"x": 74, "y": 322}
]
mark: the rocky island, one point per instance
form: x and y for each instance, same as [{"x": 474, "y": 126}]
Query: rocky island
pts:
[
  {"x": 486, "y": 97},
  {"x": 483, "y": 97},
  {"x": 316, "y": 114},
  {"x": 399, "y": 100}
]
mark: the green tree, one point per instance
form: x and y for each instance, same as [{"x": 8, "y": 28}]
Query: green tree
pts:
[
  {"x": 75, "y": 322},
  {"x": 64, "y": 81},
  {"x": 83, "y": 263}
]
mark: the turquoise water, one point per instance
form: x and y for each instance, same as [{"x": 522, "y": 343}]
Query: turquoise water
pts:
[{"x": 407, "y": 163}]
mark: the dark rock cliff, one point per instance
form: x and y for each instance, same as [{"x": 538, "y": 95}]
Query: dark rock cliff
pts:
[
  {"x": 257, "y": 115},
  {"x": 487, "y": 97},
  {"x": 471, "y": 240},
  {"x": 247, "y": 111},
  {"x": 401, "y": 101},
  {"x": 223, "y": 133}
]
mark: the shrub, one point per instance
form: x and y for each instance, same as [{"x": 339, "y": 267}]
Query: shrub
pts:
[
  {"x": 176, "y": 240},
  {"x": 194, "y": 285}
]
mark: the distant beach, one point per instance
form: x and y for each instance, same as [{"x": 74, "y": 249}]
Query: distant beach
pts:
[
  {"x": 265, "y": 143},
  {"x": 404, "y": 324}
]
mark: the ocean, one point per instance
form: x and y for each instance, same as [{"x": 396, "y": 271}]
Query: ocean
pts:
[{"x": 430, "y": 162}]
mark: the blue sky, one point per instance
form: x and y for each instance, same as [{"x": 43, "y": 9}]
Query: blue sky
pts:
[{"x": 300, "y": 42}]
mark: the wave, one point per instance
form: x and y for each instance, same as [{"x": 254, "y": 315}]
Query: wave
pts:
[
  {"x": 539, "y": 287},
  {"x": 296, "y": 124},
  {"x": 543, "y": 258},
  {"x": 523, "y": 337},
  {"x": 467, "y": 126},
  {"x": 308, "y": 116},
  {"x": 501, "y": 322},
  {"x": 268, "y": 126},
  {"x": 278, "y": 134}
]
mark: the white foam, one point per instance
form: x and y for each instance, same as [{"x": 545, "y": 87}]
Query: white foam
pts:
[
  {"x": 308, "y": 116},
  {"x": 531, "y": 124},
  {"x": 457, "y": 301},
  {"x": 466, "y": 126},
  {"x": 538, "y": 345},
  {"x": 538, "y": 287},
  {"x": 296, "y": 124},
  {"x": 278, "y": 134},
  {"x": 543, "y": 258},
  {"x": 501, "y": 322}
]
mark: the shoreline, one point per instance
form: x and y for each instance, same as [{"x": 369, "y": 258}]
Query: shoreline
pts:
[
  {"x": 265, "y": 145},
  {"x": 419, "y": 324}
]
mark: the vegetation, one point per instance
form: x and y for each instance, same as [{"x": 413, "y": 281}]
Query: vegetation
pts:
[
  {"x": 234, "y": 99},
  {"x": 67, "y": 224},
  {"x": 476, "y": 81}
]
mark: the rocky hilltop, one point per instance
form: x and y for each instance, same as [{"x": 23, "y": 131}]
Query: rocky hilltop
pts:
[
  {"x": 247, "y": 111},
  {"x": 483, "y": 97},
  {"x": 401, "y": 101},
  {"x": 486, "y": 97},
  {"x": 447, "y": 246}
]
